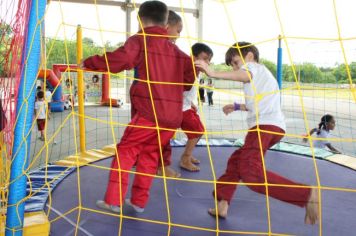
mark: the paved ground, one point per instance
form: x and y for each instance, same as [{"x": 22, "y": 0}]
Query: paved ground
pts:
[{"x": 99, "y": 133}]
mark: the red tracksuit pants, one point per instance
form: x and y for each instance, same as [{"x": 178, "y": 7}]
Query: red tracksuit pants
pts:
[
  {"x": 140, "y": 146},
  {"x": 191, "y": 122},
  {"x": 245, "y": 164}
]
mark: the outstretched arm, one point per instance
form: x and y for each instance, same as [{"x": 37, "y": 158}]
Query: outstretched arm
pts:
[
  {"x": 227, "y": 109},
  {"x": 334, "y": 150},
  {"x": 123, "y": 58},
  {"x": 240, "y": 75}
]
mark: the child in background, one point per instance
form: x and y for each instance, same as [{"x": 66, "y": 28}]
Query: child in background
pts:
[
  {"x": 40, "y": 112},
  {"x": 210, "y": 91},
  {"x": 246, "y": 164},
  {"x": 140, "y": 145},
  {"x": 326, "y": 124}
]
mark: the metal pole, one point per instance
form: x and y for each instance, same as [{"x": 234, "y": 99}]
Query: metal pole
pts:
[
  {"x": 22, "y": 138},
  {"x": 279, "y": 63},
  {"x": 81, "y": 91},
  {"x": 199, "y": 15},
  {"x": 128, "y": 9}
]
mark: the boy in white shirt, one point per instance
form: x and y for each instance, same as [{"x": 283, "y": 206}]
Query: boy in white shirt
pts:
[
  {"x": 266, "y": 127},
  {"x": 191, "y": 124},
  {"x": 40, "y": 109}
]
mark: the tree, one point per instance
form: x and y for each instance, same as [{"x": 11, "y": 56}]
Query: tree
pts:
[
  {"x": 5, "y": 41},
  {"x": 341, "y": 74},
  {"x": 309, "y": 73},
  {"x": 88, "y": 41},
  {"x": 65, "y": 52}
]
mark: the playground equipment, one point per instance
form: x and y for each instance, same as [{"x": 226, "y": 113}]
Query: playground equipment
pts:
[
  {"x": 54, "y": 84},
  {"x": 34, "y": 200}
]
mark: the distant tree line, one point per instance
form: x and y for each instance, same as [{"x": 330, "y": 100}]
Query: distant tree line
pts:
[
  {"x": 308, "y": 72},
  {"x": 64, "y": 52}
]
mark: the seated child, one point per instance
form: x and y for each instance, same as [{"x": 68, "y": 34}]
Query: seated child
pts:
[{"x": 327, "y": 123}]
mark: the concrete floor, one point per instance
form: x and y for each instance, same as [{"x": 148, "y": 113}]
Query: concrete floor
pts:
[{"x": 64, "y": 138}]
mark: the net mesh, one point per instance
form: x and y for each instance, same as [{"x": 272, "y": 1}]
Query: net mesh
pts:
[{"x": 313, "y": 85}]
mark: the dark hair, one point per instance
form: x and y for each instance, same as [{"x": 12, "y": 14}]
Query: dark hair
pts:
[
  {"x": 154, "y": 11},
  {"x": 173, "y": 18},
  {"x": 95, "y": 79},
  {"x": 40, "y": 94},
  {"x": 201, "y": 47},
  {"x": 323, "y": 121},
  {"x": 244, "y": 48}
]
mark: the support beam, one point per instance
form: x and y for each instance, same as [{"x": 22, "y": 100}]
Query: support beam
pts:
[
  {"x": 199, "y": 16},
  {"x": 129, "y": 7},
  {"x": 125, "y": 5}
]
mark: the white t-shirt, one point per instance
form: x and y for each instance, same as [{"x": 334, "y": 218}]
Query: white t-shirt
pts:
[
  {"x": 190, "y": 96},
  {"x": 263, "y": 87},
  {"x": 324, "y": 134},
  {"x": 41, "y": 107},
  {"x": 48, "y": 96}
]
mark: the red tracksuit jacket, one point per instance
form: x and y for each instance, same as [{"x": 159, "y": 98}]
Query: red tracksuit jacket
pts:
[{"x": 165, "y": 63}]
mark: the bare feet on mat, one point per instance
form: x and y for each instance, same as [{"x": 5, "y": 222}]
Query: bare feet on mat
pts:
[
  {"x": 312, "y": 208},
  {"x": 168, "y": 171},
  {"x": 223, "y": 206},
  {"x": 189, "y": 166},
  {"x": 194, "y": 160}
]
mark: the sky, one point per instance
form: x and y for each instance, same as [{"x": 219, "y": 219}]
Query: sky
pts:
[{"x": 310, "y": 26}]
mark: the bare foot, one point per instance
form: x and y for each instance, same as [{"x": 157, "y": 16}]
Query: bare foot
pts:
[
  {"x": 189, "y": 166},
  {"x": 312, "y": 208},
  {"x": 168, "y": 171},
  {"x": 194, "y": 160},
  {"x": 223, "y": 206}
]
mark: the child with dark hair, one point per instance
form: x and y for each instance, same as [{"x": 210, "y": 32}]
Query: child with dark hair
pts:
[
  {"x": 191, "y": 123},
  {"x": 266, "y": 128},
  {"x": 174, "y": 26},
  {"x": 157, "y": 98},
  {"x": 326, "y": 124},
  {"x": 41, "y": 110}
]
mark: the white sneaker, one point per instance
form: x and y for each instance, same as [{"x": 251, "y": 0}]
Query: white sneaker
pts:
[
  {"x": 136, "y": 208},
  {"x": 103, "y": 205}
]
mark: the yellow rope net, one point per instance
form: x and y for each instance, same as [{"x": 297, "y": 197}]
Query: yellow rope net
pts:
[{"x": 303, "y": 102}]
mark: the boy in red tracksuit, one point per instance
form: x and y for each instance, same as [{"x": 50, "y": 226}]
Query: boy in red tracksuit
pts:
[{"x": 160, "y": 61}]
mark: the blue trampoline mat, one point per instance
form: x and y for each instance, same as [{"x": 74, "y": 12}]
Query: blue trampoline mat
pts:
[{"x": 189, "y": 201}]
